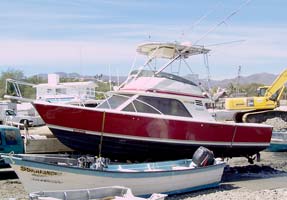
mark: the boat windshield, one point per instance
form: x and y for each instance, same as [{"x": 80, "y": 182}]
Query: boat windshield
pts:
[
  {"x": 10, "y": 137},
  {"x": 148, "y": 73},
  {"x": 157, "y": 105},
  {"x": 146, "y": 104},
  {"x": 114, "y": 101}
]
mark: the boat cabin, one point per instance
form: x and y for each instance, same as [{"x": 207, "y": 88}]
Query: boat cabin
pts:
[
  {"x": 155, "y": 91},
  {"x": 163, "y": 94},
  {"x": 10, "y": 140}
]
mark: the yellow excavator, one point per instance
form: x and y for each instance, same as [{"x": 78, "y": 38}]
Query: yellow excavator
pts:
[{"x": 260, "y": 108}]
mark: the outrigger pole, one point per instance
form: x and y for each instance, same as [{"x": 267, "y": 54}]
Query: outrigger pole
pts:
[
  {"x": 224, "y": 20},
  {"x": 205, "y": 57}
]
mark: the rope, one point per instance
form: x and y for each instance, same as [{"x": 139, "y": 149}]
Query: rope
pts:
[
  {"x": 10, "y": 157},
  {"x": 102, "y": 134}
]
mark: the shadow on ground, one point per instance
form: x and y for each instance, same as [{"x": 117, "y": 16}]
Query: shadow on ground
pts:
[
  {"x": 8, "y": 175},
  {"x": 250, "y": 172}
]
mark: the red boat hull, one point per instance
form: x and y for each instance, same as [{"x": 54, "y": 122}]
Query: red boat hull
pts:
[{"x": 131, "y": 136}]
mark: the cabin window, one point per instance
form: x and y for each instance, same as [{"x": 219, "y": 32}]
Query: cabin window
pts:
[
  {"x": 114, "y": 101},
  {"x": 138, "y": 106},
  {"x": 92, "y": 91},
  {"x": 61, "y": 91},
  {"x": 49, "y": 91},
  {"x": 275, "y": 95},
  {"x": 155, "y": 104},
  {"x": 10, "y": 137}
]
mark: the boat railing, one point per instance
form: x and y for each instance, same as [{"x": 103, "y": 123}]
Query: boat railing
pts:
[
  {"x": 14, "y": 91},
  {"x": 158, "y": 52},
  {"x": 52, "y": 159}
]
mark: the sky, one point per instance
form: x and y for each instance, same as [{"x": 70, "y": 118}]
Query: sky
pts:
[{"x": 90, "y": 37}]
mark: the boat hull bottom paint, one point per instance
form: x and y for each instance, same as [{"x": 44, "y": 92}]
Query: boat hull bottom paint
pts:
[{"x": 141, "y": 150}]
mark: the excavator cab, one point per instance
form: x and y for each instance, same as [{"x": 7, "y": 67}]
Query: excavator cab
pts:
[
  {"x": 261, "y": 91},
  {"x": 277, "y": 95}
]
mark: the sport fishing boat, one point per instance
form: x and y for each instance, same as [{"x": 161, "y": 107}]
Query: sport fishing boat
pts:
[{"x": 154, "y": 115}]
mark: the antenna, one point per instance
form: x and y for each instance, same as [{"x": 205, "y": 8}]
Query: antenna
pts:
[
  {"x": 225, "y": 43},
  {"x": 223, "y": 21},
  {"x": 110, "y": 78},
  {"x": 238, "y": 79},
  {"x": 206, "y": 63},
  {"x": 118, "y": 78}
]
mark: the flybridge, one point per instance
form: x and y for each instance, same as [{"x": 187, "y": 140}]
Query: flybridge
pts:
[
  {"x": 170, "y": 50},
  {"x": 158, "y": 52}
]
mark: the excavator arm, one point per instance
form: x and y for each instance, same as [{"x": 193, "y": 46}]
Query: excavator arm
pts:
[{"x": 276, "y": 85}]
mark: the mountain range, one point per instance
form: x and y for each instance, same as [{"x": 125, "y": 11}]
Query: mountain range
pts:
[{"x": 260, "y": 78}]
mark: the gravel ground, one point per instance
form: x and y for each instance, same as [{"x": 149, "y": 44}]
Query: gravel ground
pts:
[
  {"x": 12, "y": 189},
  {"x": 262, "y": 180}
]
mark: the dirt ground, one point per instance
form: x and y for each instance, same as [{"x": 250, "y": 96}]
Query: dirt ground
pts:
[{"x": 263, "y": 180}]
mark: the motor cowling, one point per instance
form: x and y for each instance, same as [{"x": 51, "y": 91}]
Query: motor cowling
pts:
[{"x": 203, "y": 157}]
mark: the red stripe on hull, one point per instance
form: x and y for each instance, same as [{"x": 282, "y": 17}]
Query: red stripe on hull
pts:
[{"x": 142, "y": 126}]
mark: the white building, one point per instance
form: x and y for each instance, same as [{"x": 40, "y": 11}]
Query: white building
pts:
[{"x": 65, "y": 91}]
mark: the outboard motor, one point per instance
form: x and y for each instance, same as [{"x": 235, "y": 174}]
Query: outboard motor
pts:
[
  {"x": 203, "y": 157},
  {"x": 100, "y": 163},
  {"x": 86, "y": 161}
]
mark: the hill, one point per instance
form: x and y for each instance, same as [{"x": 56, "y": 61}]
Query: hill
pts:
[{"x": 260, "y": 78}]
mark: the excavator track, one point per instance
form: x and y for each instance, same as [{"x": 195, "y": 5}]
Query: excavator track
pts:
[
  {"x": 262, "y": 116},
  {"x": 238, "y": 117}
]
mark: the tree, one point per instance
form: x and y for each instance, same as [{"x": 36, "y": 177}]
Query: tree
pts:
[
  {"x": 251, "y": 89},
  {"x": 102, "y": 87},
  {"x": 231, "y": 88},
  {"x": 68, "y": 79},
  {"x": 35, "y": 80}
]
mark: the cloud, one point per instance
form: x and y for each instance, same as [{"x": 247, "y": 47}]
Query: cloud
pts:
[
  {"x": 18, "y": 52},
  {"x": 263, "y": 47}
]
